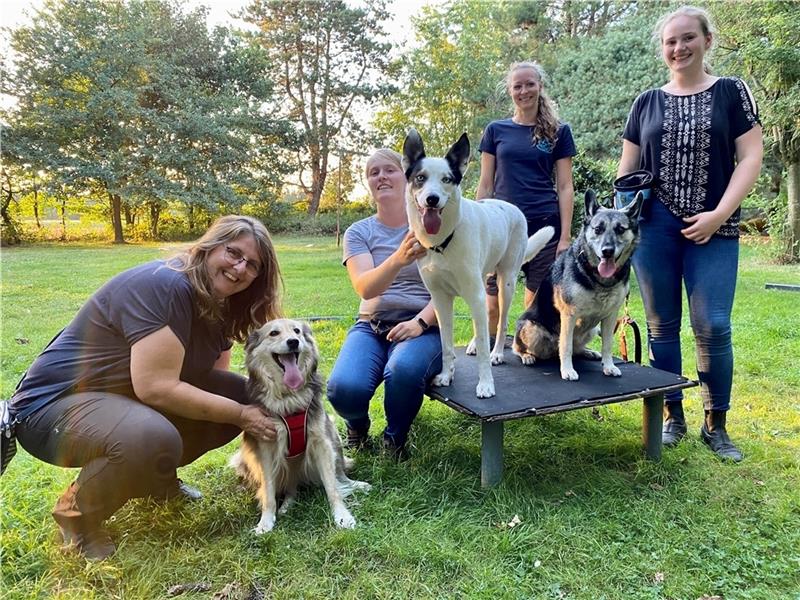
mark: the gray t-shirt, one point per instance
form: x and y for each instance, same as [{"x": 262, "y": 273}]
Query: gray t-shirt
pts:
[
  {"x": 93, "y": 352},
  {"x": 407, "y": 292}
]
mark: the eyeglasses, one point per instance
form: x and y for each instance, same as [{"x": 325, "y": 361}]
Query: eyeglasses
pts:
[{"x": 234, "y": 257}]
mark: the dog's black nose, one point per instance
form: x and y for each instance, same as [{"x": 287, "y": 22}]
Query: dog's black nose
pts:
[
  {"x": 608, "y": 252},
  {"x": 432, "y": 200},
  {"x": 293, "y": 344}
]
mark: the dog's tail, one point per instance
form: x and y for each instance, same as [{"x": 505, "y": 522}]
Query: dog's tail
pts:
[{"x": 538, "y": 241}]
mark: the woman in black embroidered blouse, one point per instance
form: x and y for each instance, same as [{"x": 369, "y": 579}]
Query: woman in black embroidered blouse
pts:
[{"x": 700, "y": 137}]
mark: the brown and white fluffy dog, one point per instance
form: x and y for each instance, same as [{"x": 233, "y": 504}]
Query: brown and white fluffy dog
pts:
[{"x": 282, "y": 359}]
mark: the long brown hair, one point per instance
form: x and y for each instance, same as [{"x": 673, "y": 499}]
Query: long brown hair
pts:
[
  {"x": 546, "y": 127},
  {"x": 252, "y": 307}
]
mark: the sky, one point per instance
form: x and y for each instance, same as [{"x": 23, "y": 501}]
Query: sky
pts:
[{"x": 12, "y": 13}]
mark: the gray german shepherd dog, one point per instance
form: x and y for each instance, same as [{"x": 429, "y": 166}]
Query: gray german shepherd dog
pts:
[{"x": 586, "y": 286}]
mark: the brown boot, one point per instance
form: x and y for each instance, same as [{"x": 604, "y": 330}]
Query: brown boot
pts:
[{"x": 81, "y": 534}]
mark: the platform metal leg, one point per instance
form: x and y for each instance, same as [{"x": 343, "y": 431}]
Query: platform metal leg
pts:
[
  {"x": 652, "y": 422},
  {"x": 492, "y": 453}
]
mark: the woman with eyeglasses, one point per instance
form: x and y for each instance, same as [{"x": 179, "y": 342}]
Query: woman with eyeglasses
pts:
[{"x": 138, "y": 385}]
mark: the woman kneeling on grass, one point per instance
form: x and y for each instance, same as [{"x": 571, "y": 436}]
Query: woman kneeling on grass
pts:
[{"x": 138, "y": 383}]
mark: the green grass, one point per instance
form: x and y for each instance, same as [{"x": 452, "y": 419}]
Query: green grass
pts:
[{"x": 597, "y": 519}]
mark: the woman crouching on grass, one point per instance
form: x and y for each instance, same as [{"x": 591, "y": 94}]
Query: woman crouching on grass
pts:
[{"x": 138, "y": 385}]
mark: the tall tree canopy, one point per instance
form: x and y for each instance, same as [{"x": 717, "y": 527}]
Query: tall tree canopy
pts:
[
  {"x": 327, "y": 59},
  {"x": 761, "y": 42},
  {"x": 135, "y": 99}
]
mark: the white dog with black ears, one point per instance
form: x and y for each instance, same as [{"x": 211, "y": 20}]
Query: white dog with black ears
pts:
[{"x": 466, "y": 240}]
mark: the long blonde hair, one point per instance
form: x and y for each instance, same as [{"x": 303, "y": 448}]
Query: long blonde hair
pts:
[
  {"x": 694, "y": 12},
  {"x": 252, "y": 307},
  {"x": 546, "y": 126}
]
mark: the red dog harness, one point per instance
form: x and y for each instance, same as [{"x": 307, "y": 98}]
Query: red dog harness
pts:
[{"x": 296, "y": 428}]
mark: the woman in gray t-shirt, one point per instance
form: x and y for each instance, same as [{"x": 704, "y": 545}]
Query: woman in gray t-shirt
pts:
[{"x": 394, "y": 340}]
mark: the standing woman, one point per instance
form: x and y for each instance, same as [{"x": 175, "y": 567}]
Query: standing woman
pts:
[
  {"x": 700, "y": 136},
  {"x": 138, "y": 385},
  {"x": 394, "y": 340},
  {"x": 527, "y": 161}
]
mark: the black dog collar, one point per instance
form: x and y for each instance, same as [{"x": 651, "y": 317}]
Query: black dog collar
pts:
[{"x": 440, "y": 248}]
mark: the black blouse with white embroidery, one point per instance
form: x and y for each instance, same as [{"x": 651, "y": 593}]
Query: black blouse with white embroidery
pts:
[{"x": 688, "y": 144}]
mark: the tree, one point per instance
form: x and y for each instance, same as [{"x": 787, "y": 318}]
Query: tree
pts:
[
  {"x": 450, "y": 80},
  {"x": 327, "y": 59},
  {"x": 761, "y": 42},
  {"x": 596, "y": 81},
  {"x": 177, "y": 115}
]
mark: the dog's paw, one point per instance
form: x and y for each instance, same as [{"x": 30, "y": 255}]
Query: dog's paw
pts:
[
  {"x": 527, "y": 359},
  {"x": 286, "y": 505},
  {"x": 611, "y": 370},
  {"x": 265, "y": 525},
  {"x": 498, "y": 358},
  {"x": 344, "y": 519},
  {"x": 362, "y": 486},
  {"x": 590, "y": 354},
  {"x": 569, "y": 374},
  {"x": 442, "y": 379},
  {"x": 471, "y": 348},
  {"x": 485, "y": 389}
]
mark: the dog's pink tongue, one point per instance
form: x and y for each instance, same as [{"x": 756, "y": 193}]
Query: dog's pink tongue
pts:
[
  {"x": 291, "y": 374},
  {"x": 432, "y": 221},
  {"x": 607, "y": 268}
]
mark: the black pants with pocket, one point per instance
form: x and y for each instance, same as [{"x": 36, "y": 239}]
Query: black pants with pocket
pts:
[{"x": 125, "y": 448}]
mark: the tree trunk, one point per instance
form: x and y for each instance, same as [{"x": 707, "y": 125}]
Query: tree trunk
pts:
[
  {"x": 10, "y": 232},
  {"x": 128, "y": 214},
  {"x": 155, "y": 212},
  {"x": 116, "y": 217},
  {"x": 63, "y": 217},
  {"x": 36, "y": 204},
  {"x": 793, "y": 195},
  {"x": 190, "y": 218}
]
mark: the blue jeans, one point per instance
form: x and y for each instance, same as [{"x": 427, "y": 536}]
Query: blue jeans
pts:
[
  {"x": 405, "y": 367},
  {"x": 662, "y": 261}
]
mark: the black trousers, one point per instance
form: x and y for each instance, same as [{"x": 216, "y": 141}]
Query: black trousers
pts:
[{"x": 125, "y": 448}]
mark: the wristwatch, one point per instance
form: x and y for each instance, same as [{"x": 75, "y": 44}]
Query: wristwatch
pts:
[{"x": 422, "y": 323}]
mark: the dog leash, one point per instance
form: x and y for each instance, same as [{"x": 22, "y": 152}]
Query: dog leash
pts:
[{"x": 627, "y": 321}]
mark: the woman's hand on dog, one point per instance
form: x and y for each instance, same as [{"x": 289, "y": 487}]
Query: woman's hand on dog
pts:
[
  {"x": 253, "y": 420},
  {"x": 410, "y": 249}
]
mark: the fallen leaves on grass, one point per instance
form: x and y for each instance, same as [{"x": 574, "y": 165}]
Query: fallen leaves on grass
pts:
[{"x": 183, "y": 588}]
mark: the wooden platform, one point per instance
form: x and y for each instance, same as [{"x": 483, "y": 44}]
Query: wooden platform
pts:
[{"x": 539, "y": 390}]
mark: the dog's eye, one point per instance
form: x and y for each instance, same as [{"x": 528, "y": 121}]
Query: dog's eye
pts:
[
  {"x": 274, "y": 332},
  {"x": 420, "y": 178},
  {"x": 599, "y": 229},
  {"x": 296, "y": 330},
  {"x": 447, "y": 179},
  {"x": 620, "y": 229}
]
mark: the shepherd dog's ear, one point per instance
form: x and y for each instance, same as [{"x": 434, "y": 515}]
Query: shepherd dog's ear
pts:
[{"x": 590, "y": 203}]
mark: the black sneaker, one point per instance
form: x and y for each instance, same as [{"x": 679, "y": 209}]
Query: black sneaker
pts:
[{"x": 95, "y": 544}]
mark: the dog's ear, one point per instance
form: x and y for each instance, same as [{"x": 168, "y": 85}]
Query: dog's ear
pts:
[
  {"x": 252, "y": 340},
  {"x": 634, "y": 209},
  {"x": 413, "y": 150},
  {"x": 458, "y": 157},
  {"x": 590, "y": 201}
]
